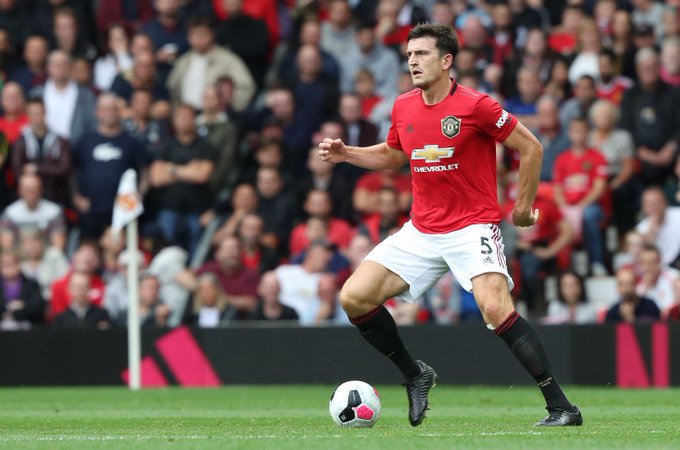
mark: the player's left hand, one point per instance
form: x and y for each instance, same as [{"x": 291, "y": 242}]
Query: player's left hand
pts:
[{"x": 525, "y": 218}]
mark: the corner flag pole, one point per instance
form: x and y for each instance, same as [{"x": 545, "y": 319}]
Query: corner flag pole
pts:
[
  {"x": 134, "y": 332},
  {"x": 127, "y": 207}
]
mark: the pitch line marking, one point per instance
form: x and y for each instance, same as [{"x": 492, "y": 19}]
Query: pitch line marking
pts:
[{"x": 139, "y": 437}]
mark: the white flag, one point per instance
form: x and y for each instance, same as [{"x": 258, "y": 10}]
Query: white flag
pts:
[{"x": 128, "y": 205}]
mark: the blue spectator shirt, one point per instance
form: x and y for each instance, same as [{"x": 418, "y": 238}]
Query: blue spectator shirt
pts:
[{"x": 100, "y": 162}]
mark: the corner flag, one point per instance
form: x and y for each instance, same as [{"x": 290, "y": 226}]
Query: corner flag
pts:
[
  {"x": 126, "y": 209},
  {"x": 128, "y": 205}
]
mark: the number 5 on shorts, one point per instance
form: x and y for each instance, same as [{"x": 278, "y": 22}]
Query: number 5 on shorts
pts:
[{"x": 486, "y": 248}]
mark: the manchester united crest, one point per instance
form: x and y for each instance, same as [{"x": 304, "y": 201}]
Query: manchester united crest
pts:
[{"x": 450, "y": 126}]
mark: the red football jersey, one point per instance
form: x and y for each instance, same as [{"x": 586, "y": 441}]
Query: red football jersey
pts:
[
  {"x": 576, "y": 174},
  {"x": 614, "y": 90},
  {"x": 452, "y": 151}
]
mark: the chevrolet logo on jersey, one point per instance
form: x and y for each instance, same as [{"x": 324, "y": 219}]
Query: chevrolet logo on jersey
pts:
[{"x": 432, "y": 153}]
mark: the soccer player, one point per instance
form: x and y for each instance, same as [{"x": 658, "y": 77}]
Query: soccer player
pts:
[{"x": 447, "y": 132}]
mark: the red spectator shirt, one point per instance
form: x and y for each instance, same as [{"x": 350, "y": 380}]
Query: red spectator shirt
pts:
[
  {"x": 12, "y": 127},
  {"x": 613, "y": 91},
  {"x": 576, "y": 173},
  {"x": 397, "y": 36},
  {"x": 251, "y": 260},
  {"x": 674, "y": 313},
  {"x": 546, "y": 229},
  {"x": 452, "y": 151},
  {"x": 367, "y": 105},
  {"x": 562, "y": 43},
  {"x": 242, "y": 282},
  {"x": 340, "y": 233},
  {"x": 374, "y": 181},
  {"x": 61, "y": 299}
]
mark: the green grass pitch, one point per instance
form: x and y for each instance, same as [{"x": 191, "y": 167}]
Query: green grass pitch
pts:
[{"x": 296, "y": 417}]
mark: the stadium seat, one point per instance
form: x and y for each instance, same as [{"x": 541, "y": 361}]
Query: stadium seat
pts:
[{"x": 601, "y": 291}]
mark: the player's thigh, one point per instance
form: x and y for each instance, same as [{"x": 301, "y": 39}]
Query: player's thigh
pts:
[
  {"x": 472, "y": 251},
  {"x": 475, "y": 256},
  {"x": 371, "y": 284},
  {"x": 414, "y": 257},
  {"x": 492, "y": 294}
]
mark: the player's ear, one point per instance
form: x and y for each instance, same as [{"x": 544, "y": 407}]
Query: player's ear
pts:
[{"x": 447, "y": 61}]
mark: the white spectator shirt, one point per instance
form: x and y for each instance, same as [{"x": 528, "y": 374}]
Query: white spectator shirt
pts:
[
  {"x": 662, "y": 291},
  {"x": 42, "y": 217},
  {"x": 208, "y": 317},
  {"x": 668, "y": 236},
  {"x": 59, "y": 107},
  {"x": 107, "y": 67},
  {"x": 300, "y": 291},
  {"x": 194, "y": 80},
  {"x": 584, "y": 64}
]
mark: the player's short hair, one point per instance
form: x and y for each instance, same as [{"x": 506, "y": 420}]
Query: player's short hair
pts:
[{"x": 445, "y": 37}]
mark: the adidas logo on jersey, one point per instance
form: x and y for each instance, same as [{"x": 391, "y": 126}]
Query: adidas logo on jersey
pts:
[{"x": 487, "y": 260}]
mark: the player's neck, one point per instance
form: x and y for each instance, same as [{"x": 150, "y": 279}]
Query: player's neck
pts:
[{"x": 437, "y": 91}]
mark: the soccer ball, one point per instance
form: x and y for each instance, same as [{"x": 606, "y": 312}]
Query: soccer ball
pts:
[{"x": 355, "y": 404}]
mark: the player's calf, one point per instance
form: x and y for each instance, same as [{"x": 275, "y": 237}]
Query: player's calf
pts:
[{"x": 526, "y": 345}]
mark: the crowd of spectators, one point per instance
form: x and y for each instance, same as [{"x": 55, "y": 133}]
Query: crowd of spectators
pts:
[{"x": 219, "y": 106}]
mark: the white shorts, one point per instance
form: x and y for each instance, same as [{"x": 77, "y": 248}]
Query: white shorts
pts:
[{"x": 421, "y": 259}]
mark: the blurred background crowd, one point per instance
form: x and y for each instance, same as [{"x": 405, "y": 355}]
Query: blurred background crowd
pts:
[{"x": 219, "y": 106}]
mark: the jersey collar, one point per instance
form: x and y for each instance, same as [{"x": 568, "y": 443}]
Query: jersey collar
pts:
[{"x": 454, "y": 86}]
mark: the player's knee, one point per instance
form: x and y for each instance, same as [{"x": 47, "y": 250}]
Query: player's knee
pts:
[
  {"x": 349, "y": 300},
  {"x": 353, "y": 301},
  {"x": 495, "y": 312}
]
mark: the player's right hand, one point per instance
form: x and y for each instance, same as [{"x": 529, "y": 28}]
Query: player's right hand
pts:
[
  {"x": 333, "y": 151},
  {"x": 525, "y": 218}
]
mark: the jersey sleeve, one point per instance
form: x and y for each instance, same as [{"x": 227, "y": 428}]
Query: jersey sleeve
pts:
[
  {"x": 392, "y": 135},
  {"x": 493, "y": 120}
]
